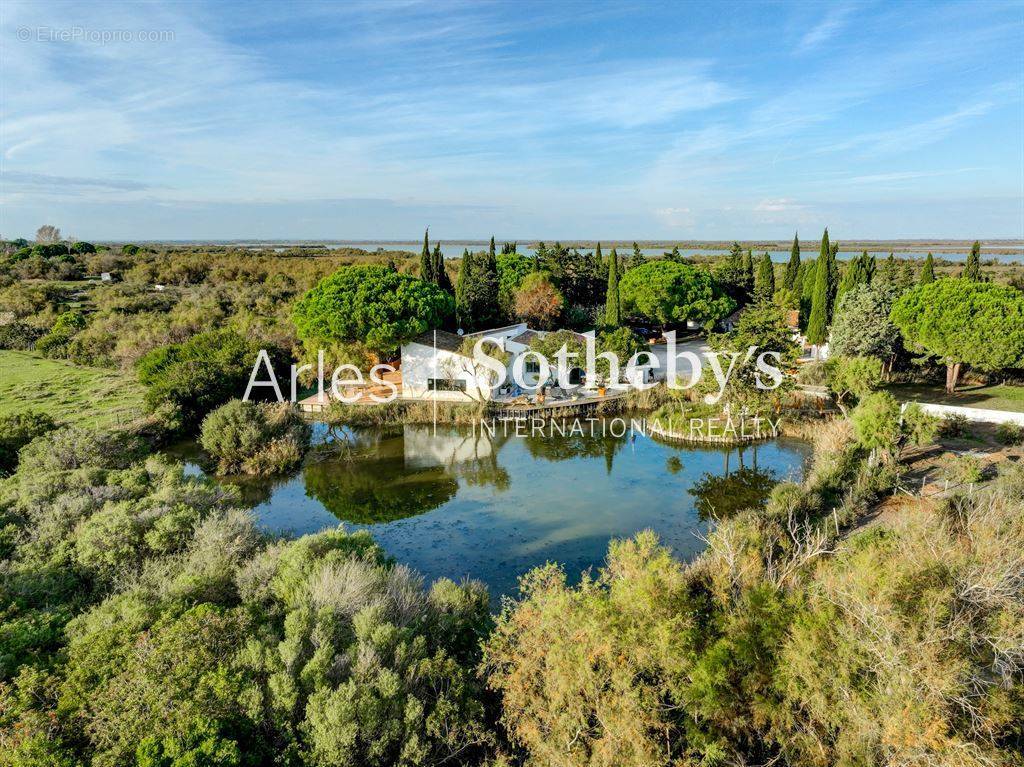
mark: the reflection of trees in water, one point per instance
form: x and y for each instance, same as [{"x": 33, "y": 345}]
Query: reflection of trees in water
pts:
[
  {"x": 555, "y": 447},
  {"x": 722, "y": 495},
  {"x": 255, "y": 491},
  {"x": 377, "y": 476},
  {"x": 483, "y": 471},
  {"x": 356, "y": 492}
]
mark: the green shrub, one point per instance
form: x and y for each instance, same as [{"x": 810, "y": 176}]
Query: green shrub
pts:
[
  {"x": 1010, "y": 434},
  {"x": 255, "y": 438},
  {"x": 919, "y": 427},
  {"x": 813, "y": 373},
  {"x": 955, "y": 426},
  {"x": 876, "y": 422},
  {"x": 963, "y": 469},
  {"x": 56, "y": 342},
  {"x": 198, "y": 375},
  {"x": 19, "y": 336},
  {"x": 16, "y": 431}
]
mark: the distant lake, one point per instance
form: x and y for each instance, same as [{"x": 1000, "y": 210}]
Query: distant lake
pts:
[
  {"x": 808, "y": 250},
  {"x": 458, "y": 503}
]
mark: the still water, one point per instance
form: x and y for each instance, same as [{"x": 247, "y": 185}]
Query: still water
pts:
[{"x": 461, "y": 503}]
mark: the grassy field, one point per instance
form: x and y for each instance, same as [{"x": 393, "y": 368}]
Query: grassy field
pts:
[
  {"x": 69, "y": 393},
  {"x": 999, "y": 397}
]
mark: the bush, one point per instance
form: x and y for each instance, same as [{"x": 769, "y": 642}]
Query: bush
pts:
[
  {"x": 55, "y": 343},
  {"x": 963, "y": 469},
  {"x": 254, "y": 438},
  {"x": 16, "y": 431},
  {"x": 955, "y": 426},
  {"x": 19, "y": 336},
  {"x": 198, "y": 375},
  {"x": 1010, "y": 434},
  {"x": 876, "y": 422},
  {"x": 813, "y": 373},
  {"x": 919, "y": 427},
  {"x": 853, "y": 377}
]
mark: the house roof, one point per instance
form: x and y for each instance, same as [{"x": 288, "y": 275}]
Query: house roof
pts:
[
  {"x": 442, "y": 339},
  {"x": 525, "y": 337},
  {"x": 528, "y": 335},
  {"x": 490, "y": 331}
]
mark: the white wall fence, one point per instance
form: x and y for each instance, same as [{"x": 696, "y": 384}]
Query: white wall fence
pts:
[{"x": 971, "y": 413}]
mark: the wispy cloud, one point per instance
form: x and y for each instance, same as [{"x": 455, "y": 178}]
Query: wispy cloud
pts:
[
  {"x": 833, "y": 23},
  {"x": 531, "y": 115}
]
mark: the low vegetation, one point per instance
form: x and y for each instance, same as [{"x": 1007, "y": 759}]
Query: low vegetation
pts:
[
  {"x": 146, "y": 620},
  {"x": 255, "y": 438}
]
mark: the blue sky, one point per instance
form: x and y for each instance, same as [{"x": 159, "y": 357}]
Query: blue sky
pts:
[{"x": 550, "y": 120}]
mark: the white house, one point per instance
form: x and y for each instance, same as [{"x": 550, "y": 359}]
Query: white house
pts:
[{"x": 435, "y": 367}]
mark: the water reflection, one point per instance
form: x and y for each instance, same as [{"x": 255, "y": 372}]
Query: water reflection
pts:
[
  {"x": 556, "y": 447},
  {"x": 373, "y": 477},
  {"x": 721, "y": 495},
  {"x": 459, "y": 503}
]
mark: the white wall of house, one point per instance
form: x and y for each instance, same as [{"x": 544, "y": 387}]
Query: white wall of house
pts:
[{"x": 421, "y": 364}]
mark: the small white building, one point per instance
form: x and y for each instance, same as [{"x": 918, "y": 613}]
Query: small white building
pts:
[{"x": 436, "y": 365}]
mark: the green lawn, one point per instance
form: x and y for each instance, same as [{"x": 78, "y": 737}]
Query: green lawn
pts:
[
  {"x": 69, "y": 393},
  {"x": 998, "y": 397}
]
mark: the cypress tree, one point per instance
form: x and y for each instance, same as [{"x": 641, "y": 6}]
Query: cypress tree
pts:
[
  {"x": 821, "y": 300},
  {"x": 798, "y": 283},
  {"x": 928, "y": 272},
  {"x": 808, "y": 270},
  {"x": 462, "y": 308},
  {"x": 735, "y": 257},
  {"x": 441, "y": 278},
  {"x": 598, "y": 267},
  {"x": 487, "y": 273},
  {"x": 858, "y": 272},
  {"x": 972, "y": 269},
  {"x": 426, "y": 260},
  {"x": 748, "y": 272},
  {"x": 764, "y": 285},
  {"x": 612, "y": 311},
  {"x": 793, "y": 267},
  {"x": 906, "y": 278}
]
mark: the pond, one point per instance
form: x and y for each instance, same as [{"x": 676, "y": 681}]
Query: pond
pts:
[{"x": 460, "y": 502}]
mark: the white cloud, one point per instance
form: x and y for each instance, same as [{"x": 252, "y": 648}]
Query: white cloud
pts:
[
  {"x": 777, "y": 205},
  {"x": 677, "y": 218},
  {"x": 824, "y": 31}
]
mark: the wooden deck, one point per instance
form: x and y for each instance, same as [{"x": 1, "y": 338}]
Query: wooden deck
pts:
[{"x": 563, "y": 408}]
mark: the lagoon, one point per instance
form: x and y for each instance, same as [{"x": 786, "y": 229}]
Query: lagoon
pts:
[{"x": 457, "y": 502}]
